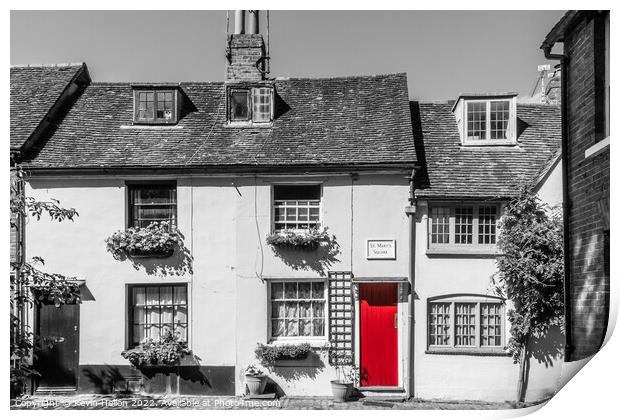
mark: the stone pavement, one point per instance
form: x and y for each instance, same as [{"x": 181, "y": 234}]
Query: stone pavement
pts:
[{"x": 144, "y": 402}]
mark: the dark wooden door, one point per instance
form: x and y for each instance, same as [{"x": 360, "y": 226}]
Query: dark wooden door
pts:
[
  {"x": 57, "y": 360},
  {"x": 378, "y": 334}
]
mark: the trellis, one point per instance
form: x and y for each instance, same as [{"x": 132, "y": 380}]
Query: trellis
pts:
[{"x": 341, "y": 315}]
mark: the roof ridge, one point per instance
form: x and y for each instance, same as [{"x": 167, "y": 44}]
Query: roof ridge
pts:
[
  {"x": 353, "y": 76},
  {"x": 47, "y": 65}
]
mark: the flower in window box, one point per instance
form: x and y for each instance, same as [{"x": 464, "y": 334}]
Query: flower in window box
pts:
[
  {"x": 165, "y": 352},
  {"x": 307, "y": 239},
  {"x": 156, "y": 240}
]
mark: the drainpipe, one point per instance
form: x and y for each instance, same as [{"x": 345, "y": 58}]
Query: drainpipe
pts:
[
  {"x": 546, "y": 47},
  {"x": 410, "y": 210}
]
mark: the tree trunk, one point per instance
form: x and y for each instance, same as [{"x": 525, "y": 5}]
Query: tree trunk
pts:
[{"x": 521, "y": 385}]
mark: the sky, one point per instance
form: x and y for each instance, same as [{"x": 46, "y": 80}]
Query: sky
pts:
[{"x": 443, "y": 53}]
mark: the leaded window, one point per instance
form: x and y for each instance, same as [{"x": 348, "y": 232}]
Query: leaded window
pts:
[
  {"x": 297, "y": 309},
  {"x": 155, "y": 310},
  {"x": 459, "y": 225},
  {"x": 152, "y": 203}
]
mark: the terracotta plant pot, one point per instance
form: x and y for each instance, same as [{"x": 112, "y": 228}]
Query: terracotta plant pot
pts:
[
  {"x": 256, "y": 384},
  {"x": 340, "y": 390}
]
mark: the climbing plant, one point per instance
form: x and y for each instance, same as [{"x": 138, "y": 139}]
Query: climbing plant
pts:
[
  {"x": 530, "y": 272},
  {"x": 29, "y": 285}
]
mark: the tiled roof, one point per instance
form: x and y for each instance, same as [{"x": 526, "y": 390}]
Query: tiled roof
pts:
[
  {"x": 34, "y": 90},
  {"x": 319, "y": 122},
  {"x": 455, "y": 171}
]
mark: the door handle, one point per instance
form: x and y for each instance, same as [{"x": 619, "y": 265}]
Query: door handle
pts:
[
  {"x": 59, "y": 339},
  {"x": 396, "y": 320}
]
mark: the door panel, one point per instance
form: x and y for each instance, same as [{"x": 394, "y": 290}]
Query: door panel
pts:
[
  {"x": 57, "y": 360},
  {"x": 378, "y": 334}
]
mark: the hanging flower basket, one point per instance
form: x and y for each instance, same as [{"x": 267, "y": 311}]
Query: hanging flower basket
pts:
[
  {"x": 154, "y": 241},
  {"x": 309, "y": 239}
]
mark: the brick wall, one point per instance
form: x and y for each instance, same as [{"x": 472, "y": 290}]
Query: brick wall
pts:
[
  {"x": 245, "y": 51},
  {"x": 588, "y": 182}
]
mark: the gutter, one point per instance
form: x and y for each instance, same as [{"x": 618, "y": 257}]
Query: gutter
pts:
[{"x": 546, "y": 47}]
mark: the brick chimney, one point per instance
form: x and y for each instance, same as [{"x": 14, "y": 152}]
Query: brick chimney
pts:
[{"x": 245, "y": 52}]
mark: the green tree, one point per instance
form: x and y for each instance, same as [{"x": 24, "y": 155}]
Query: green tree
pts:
[
  {"x": 531, "y": 273},
  {"x": 30, "y": 285}
]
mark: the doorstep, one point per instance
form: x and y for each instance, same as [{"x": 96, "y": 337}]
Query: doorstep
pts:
[{"x": 384, "y": 393}]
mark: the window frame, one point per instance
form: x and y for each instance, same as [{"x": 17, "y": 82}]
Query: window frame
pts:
[
  {"x": 129, "y": 309},
  {"x": 295, "y": 184},
  {"x": 313, "y": 340},
  {"x": 451, "y": 244},
  {"x": 511, "y": 134},
  {"x": 477, "y": 348},
  {"x": 131, "y": 185},
  {"x": 250, "y": 121},
  {"x": 155, "y": 121}
]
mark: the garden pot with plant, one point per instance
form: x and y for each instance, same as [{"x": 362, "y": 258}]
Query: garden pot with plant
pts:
[
  {"x": 255, "y": 379},
  {"x": 346, "y": 373}
]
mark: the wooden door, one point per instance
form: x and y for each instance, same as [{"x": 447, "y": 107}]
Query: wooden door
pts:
[
  {"x": 57, "y": 360},
  {"x": 378, "y": 334}
]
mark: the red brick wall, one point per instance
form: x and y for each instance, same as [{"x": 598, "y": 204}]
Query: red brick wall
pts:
[{"x": 588, "y": 182}]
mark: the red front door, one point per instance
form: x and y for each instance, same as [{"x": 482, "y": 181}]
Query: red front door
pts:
[{"x": 378, "y": 334}]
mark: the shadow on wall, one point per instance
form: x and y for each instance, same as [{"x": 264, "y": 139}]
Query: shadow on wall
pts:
[
  {"x": 319, "y": 260},
  {"x": 548, "y": 349},
  {"x": 294, "y": 370},
  {"x": 102, "y": 380}
]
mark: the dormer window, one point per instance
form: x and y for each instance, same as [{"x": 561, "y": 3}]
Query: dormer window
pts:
[
  {"x": 250, "y": 105},
  {"x": 487, "y": 120},
  {"x": 155, "y": 106}
]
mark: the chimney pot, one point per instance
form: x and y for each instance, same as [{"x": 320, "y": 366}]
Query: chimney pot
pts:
[
  {"x": 253, "y": 24},
  {"x": 239, "y": 21}
]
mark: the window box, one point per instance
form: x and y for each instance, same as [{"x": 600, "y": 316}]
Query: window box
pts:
[
  {"x": 154, "y": 241},
  {"x": 309, "y": 239}
]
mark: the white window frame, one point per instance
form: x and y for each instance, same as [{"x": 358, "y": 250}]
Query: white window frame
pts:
[
  {"x": 511, "y": 132},
  {"x": 477, "y": 300},
  {"x": 295, "y": 184},
  {"x": 314, "y": 340},
  {"x": 452, "y": 225}
]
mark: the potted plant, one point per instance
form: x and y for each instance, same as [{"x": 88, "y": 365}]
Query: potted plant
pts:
[
  {"x": 255, "y": 380},
  {"x": 346, "y": 373},
  {"x": 157, "y": 240},
  {"x": 306, "y": 239}
]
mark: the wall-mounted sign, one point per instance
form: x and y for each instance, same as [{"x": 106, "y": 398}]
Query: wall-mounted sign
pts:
[{"x": 381, "y": 249}]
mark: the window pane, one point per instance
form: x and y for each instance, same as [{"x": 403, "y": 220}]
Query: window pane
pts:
[
  {"x": 239, "y": 110},
  {"x": 490, "y": 324},
  {"x": 305, "y": 309},
  {"x": 476, "y": 120},
  {"x": 440, "y": 225},
  {"x": 277, "y": 310},
  {"x": 277, "y": 290},
  {"x": 304, "y": 290},
  {"x": 305, "y": 327},
  {"x": 439, "y": 324},
  {"x": 465, "y": 328},
  {"x": 277, "y": 327},
  {"x": 139, "y": 295},
  {"x": 180, "y": 295},
  {"x": 290, "y": 290},
  {"x": 463, "y": 225},
  {"x": 487, "y": 224},
  {"x": 317, "y": 290},
  {"x": 500, "y": 117},
  {"x": 262, "y": 104},
  {"x": 180, "y": 315},
  {"x": 292, "y": 328}
]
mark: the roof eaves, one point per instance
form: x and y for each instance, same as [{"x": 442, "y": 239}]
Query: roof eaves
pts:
[{"x": 559, "y": 29}]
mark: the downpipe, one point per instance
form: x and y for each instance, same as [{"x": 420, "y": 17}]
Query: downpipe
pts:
[{"x": 410, "y": 210}]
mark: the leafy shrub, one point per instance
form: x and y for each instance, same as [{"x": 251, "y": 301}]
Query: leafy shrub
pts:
[
  {"x": 267, "y": 355},
  {"x": 156, "y": 238},
  {"x": 167, "y": 351},
  {"x": 291, "y": 238}
]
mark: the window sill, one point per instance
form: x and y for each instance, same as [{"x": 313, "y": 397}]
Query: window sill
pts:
[
  {"x": 499, "y": 352},
  {"x": 465, "y": 252},
  {"x": 248, "y": 124},
  {"x": 478, "y": 143}
]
